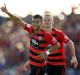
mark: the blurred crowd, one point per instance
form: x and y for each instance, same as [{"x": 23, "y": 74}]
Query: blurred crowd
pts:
[{"x": 14, "y": 42}]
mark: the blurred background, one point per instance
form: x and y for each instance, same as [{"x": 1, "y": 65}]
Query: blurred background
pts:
[{"x": 14, "y": 41}]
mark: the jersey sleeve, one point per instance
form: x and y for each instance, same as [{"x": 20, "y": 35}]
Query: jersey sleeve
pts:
[
  {"x": 65, "y": 38},
  {"x": 50, "y": 39},
  {"x": 28, "y": 27}
]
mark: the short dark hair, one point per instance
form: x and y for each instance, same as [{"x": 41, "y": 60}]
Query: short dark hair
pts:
[{"x": 37, "y": 16}]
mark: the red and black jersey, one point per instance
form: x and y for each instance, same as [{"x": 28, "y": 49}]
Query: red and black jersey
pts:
[
  {"x": 38, "y": 43},
  {"x": 58, "y": 57}
]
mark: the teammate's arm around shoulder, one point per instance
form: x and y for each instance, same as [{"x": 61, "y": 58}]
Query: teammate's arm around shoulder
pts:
[{"x": 16, "y": 19}]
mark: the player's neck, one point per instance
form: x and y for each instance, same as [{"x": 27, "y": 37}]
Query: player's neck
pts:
[
  {"x": 35, "y": 31},
  {"x": 47, "y": 28}
]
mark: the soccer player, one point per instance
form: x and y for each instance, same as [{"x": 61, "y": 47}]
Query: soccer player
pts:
[
  {"x": 56, "y": 61},
  {"x": 39, "y": 41}
]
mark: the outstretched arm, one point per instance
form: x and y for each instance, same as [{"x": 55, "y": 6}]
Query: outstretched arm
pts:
[{"x": 16, "y": 19}]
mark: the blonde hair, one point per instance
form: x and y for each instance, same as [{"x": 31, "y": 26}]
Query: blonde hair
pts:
[{"x": 47, "y": 13}]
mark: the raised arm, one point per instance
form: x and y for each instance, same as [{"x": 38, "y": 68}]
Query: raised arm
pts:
[{"x": 16, "y": 19}]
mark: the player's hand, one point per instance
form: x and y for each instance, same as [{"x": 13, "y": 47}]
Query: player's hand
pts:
[
  {"x": 74, "y": 62},
  {"x": 4, "y": 9},
  {"x": 27, "y": 66},
  {"x": 42, "y": 55}
]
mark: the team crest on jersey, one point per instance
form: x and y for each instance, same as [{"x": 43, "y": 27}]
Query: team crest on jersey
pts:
[{"x": 40, "y": 37}]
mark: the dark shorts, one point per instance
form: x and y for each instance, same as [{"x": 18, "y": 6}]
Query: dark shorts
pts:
[
  {"x": 37, "y": 70},
  {"x": 55, "y": 70}
]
